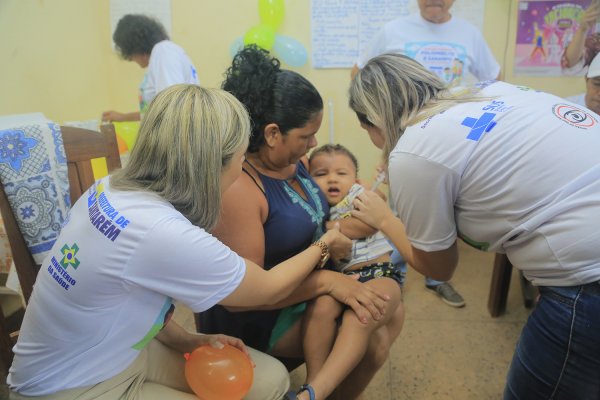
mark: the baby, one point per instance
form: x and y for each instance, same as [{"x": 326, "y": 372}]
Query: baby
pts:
[{"x": 334, "y": 168}]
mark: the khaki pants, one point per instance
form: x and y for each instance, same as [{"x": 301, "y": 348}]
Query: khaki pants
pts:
[{"x": 158, "y": 374}]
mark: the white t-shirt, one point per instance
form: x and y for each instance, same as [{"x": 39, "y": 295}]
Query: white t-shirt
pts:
[
  {"x": 449, "y": 49},
  {"x": 108, "y": 285},
  {"x": 168, "y": 66},
  {"x": 578, "y": 99},
  {"x": 519, "y": 174}
]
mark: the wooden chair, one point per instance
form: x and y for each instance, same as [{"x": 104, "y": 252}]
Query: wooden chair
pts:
[
  {"x": 81, "y": 146},
  {"x": 501, "y": 283}
]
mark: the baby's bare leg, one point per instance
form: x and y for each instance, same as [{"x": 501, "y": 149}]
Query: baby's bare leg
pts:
[
  {"x": 377, "y": 353},
  {"x": 319, "y": 327},
  {"x": 352, "y": 342}
]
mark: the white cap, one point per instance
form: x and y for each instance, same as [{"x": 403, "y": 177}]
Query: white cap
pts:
[{"x": 594, "y": 69}]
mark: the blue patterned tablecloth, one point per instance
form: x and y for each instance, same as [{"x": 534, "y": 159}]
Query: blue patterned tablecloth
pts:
[{"x": 33, "y": 170}]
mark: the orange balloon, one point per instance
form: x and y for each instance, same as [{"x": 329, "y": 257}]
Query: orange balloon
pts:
[{"x": 219, "y": 374}]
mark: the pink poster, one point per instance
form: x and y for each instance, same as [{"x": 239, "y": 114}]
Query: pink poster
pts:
[{"x": 545, "y": 27}]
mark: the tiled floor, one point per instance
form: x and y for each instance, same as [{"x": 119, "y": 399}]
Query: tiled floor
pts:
[{"x": 443, "y": 352}]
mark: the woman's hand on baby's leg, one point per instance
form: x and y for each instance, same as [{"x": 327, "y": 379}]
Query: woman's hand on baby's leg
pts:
[{"x": 362, "y": 299}]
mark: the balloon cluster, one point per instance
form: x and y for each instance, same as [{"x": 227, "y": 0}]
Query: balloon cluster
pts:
[
  {"x": 218, "y": 374},
  {"x": 265, "y": 35}
]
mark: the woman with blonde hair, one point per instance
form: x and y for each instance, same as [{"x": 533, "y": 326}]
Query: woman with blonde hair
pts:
[
  {"x": 135, "y": 243},
  {"x": 481, "y": 164}
]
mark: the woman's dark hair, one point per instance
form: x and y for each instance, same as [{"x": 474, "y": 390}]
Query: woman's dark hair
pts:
[
  {"x": 334, "y": 149},
  {"x": 271, "y": 94},
  {"x": 137, "y": 34}
]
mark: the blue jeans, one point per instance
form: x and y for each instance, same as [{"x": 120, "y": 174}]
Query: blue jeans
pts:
[
  {"x": 558, "y": 354},
  {"x": 397, "y": 259}
]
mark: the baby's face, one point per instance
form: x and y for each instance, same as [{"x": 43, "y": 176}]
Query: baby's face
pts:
[{"x": 334, "y": 173}]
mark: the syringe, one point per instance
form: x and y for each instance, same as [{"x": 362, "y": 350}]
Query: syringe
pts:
[{"x": 378, "y": 181}]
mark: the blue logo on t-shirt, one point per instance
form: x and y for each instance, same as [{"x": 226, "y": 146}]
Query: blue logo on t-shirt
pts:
[{"x": 479, "y": 126}]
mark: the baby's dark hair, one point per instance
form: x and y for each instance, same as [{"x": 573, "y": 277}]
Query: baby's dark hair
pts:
[
  {"x": 270, "y": 94},
  {"x": 335, "y": 149}
]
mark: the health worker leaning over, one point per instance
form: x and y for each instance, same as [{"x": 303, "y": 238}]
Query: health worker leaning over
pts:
[{"x": 506, "y": 169}]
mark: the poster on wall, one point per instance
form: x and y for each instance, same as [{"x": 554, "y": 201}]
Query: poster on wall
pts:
[{"x": 545, "y": 28}]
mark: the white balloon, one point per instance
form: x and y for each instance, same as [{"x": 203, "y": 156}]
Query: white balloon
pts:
[
  {"x": 290, "y": 51},
  {"x": 236, "y": 46}
]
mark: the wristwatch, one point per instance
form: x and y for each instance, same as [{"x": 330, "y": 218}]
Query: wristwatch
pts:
[{"x": 324, "y": 252}]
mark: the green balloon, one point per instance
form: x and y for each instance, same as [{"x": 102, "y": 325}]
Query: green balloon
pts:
[
  {"x": 271, "y": 12},
  {"x": 261, "y": 35}
]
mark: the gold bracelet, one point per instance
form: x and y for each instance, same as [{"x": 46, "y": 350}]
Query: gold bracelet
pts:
[{"x": 324, "y": 252}]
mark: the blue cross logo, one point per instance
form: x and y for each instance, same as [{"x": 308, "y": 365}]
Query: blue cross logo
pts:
[{"x": 479, "y": 126}]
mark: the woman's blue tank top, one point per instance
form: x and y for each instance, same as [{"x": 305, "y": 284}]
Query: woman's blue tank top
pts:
[{"x": 292, "y": 224}]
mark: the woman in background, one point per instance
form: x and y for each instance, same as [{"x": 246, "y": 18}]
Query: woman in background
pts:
[
  {"x": 143, "y": 40},
  {"x": 583, "y": 46}
]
